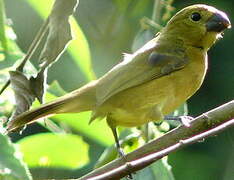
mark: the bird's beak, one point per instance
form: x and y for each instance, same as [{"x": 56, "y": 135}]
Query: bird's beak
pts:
[{"x": 218, "y": 22}]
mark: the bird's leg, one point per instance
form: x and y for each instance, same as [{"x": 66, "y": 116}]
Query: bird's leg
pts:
[
  {"x": 119, "y": 149},
  {"x": 185, "y": 120}
]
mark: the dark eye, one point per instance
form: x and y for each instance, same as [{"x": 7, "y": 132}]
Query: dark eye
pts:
[{"x": 196, "y": 16}]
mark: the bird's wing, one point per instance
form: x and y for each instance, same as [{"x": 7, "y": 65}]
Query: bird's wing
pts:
[{"x": 143, "y": 66}]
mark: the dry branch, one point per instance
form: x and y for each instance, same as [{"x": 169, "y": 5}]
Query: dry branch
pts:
[{"x": 205, "y": 125}]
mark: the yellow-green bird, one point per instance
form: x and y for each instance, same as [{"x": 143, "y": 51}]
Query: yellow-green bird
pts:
[{"x": 150, "y": 83}]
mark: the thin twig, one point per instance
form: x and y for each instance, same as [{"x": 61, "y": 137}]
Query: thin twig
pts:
[
  {"x": 43, "y": 29},
  {"x": 208, "y": 124}
]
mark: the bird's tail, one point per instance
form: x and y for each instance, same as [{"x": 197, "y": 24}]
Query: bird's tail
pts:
[{"x": 79, "y": 100}]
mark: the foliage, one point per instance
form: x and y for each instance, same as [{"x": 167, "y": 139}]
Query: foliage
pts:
[{"x": 11, "y": 164}]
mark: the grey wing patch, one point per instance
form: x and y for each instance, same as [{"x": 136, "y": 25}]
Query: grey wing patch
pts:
[
  {"x": 155, "y": 58},
  {"x": 167, "y": 63},
  {"x": 139, "y": 70}
]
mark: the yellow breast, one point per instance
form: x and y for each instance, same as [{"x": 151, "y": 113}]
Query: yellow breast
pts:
[{"x": 187, "y": 81}]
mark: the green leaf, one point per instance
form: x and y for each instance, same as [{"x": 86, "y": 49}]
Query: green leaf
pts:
[
  {"x": 9, "y": 51},
  {"x": 182, "y": 110},
  {"x": 139, "y": 8},
  {"x": 56, "y": 89},
  {"x": 129, "y": 143},
  {"x": 3, "y": 38},
  {"x": 109, "y": 154},
  {"x": 14, "y": 53},
  {"x": 54, "y": 150},
  {"x": 7, "y": 177},
  {"x": 78, "y": 48},
  {"x": 11, "y": 162},
  {"x": 159, "y": 170},
  {"x": 122, "y": 5},
  {"x": 98, "y": 130},
  {"x": 43, "y": 8}
]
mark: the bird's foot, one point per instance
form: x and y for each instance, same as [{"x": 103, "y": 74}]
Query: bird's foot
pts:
[{"x": 185, "y": 120}]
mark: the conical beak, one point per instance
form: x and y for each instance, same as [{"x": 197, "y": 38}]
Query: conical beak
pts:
[{"x": 218, "y": 22}]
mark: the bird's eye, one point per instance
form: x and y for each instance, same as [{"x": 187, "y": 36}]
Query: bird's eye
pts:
[{"x": 195, "y": 16}]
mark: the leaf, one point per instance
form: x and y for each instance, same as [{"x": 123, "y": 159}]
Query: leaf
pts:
[
  {"x": 109, "y": 154},
  {"x": 140, "y": 7},
  {"x": 38, "y": 84},
  {"x": 182, "y": 110},
  {"x": 59, "y": 35},
  {"x": 122, "y": 5},
  {"x": 159, "y": 170},
  {"x": 164, "y": 127},
  {"x": 22, "y": 90},
  {"x": 7, "y": 177},
  {"x": 14, "y": 53},
  {"x": 98, "y": 130},
  {"x": 129, "y": 143},
  {"x": 12, "y": 46},
  {"x": 79, "y": 50},
  {"x": 54, "y": 150},
  {"x": 3, "y": 38},
  {"x": 11, "y": 162},
  {"x": 59, "y": 31},
  {"x": 162, "y": 170},
  {"x": 56, "y": 89},
  {"x": 81, "y": 57}
]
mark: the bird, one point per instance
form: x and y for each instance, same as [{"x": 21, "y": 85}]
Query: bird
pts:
[{"x": 150, "y": 83}]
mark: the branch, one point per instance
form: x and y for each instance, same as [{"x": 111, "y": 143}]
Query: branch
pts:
[{"x": 205, "y": 125}]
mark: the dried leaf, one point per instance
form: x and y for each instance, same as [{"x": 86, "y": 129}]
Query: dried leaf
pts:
[
  {"x": 23, "y": 94},
  {"x": 38, "y": 84},
  {"x": 59, "y": 31}
]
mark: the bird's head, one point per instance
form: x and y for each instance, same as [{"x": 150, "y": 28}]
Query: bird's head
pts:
[{"x": 197, "y": 25}]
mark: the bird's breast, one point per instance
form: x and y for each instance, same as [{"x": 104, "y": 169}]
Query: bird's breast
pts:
[{"x": 186, "y": 82}]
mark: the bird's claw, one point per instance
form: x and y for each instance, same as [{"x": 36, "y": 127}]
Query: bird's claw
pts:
[{"x": 185, "y": 120}]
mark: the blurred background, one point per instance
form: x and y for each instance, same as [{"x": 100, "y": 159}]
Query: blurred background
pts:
[{"x": 109, "y": 28}]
